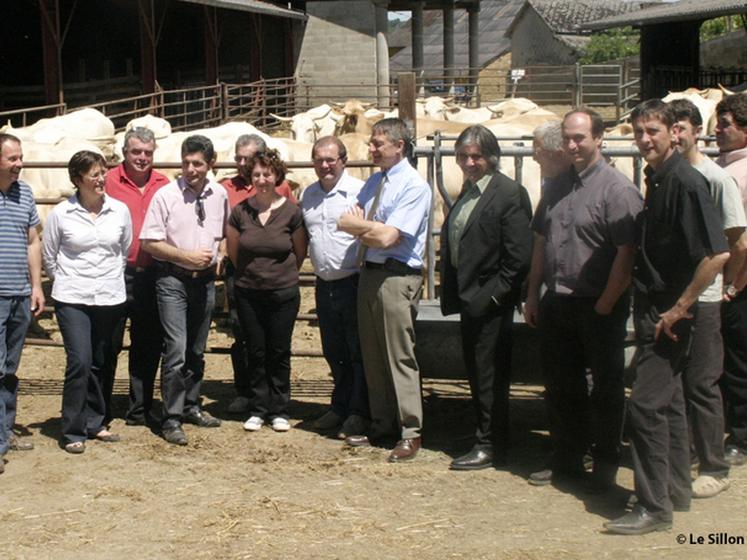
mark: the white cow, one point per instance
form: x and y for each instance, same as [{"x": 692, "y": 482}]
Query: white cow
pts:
[
  {"x": 706, "y": 106},
  {"x": 311, "y": 124},
  {"x": 84, "y": 124}
]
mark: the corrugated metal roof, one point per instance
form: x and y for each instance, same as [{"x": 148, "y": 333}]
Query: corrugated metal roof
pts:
[
  {"x": 256, "y": 6},
  {"x": 495, "y": 18},
  {"x": 684, "y": 10}
]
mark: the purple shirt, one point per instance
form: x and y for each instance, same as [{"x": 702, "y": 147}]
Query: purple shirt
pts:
[
  {"x": 584, "y": 217},
  {"x": 173, "y": 217}
]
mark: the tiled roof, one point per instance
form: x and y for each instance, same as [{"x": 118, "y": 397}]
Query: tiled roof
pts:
[
  {"x": 567, "y": 16},
  {"x": 684, "y": 10}
]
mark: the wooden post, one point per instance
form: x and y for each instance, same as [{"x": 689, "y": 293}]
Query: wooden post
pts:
[
  {"x": 406, "y": 100},
  {"x": 148, "y": 40},
  {"x": 52, "y": 49},
  {"x": 211, "y": 45}
]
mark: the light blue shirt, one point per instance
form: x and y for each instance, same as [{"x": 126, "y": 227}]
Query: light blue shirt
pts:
[
  {"x": 333, "y": 252},
  {"x": 405, "y": 203}
]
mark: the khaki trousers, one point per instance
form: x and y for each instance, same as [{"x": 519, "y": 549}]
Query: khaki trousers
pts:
[{"x": 387, "y": 307}]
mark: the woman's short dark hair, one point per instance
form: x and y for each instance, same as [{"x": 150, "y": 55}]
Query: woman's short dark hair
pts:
[
  {"x": 81, "y": 163},
  {"x": 270, "y": 158}
]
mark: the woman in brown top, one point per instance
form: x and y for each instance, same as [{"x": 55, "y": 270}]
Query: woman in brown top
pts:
[{"x": 267, "y": 245}]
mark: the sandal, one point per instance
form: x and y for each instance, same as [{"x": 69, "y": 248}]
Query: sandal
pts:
[
  {"x": 75, "y": 447},
  {"x": 706, "y": 486},
  {"x": 107, "y": 436}
]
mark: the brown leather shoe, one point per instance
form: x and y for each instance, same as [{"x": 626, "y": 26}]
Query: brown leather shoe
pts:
[
  {"x": 405, "y": 450},
  {"x": 357, "y": 441}
]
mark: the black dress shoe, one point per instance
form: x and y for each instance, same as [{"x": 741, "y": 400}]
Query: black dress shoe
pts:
[
  {"x": 735, "y": 456},
  {"x": 175, "y": 435},
  {"x": 201, "y": 418},
  {"x": 548, "y": 476},
  {"x": 638, "y": 522},
  {"x": 476, "y": 459},
  {"x": 357, "y": 441}
]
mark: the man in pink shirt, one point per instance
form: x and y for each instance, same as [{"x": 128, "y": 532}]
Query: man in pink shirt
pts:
[
  {"x": 183, "y": 229},
  {"x": 239, "y": 188},
  {"x": 134, "y": 182},
  {"x": 731, "y": 136}
]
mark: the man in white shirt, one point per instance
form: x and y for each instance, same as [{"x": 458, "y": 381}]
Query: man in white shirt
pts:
[{"x": 333, "y": 254}]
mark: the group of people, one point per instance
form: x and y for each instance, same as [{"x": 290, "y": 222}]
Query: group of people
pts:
[
  {"x": 130, "y": 243},
  {"x": 682, "y": 248}
]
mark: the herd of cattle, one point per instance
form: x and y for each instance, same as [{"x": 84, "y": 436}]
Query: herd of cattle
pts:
[{"x": 57, "y": 139}]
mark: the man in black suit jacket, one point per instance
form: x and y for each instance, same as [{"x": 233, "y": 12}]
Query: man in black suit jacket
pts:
[{"x": 486, "y": 246}]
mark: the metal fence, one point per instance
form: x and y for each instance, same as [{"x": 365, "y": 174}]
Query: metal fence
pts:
[{"x": 201, "y": 106}]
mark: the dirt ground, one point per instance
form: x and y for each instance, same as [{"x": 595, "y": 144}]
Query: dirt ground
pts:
[{"x": 302, "y": 495}]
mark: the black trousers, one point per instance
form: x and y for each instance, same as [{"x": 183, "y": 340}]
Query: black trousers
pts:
[
  {"x": 239, "y": 357},
  {"x": 657, "y": 425},
  {"x": 146, "y": 338},
  {"x": 338, "y": 325},
  {"x": 734, "y": 380},
  {"x": 574, "y": 339},
  {"x": 486, "y": 345},
  {"x": 86, "y": 331},
  {"x": 267, "y": 319},
  {"x": 703, "y": 403}
]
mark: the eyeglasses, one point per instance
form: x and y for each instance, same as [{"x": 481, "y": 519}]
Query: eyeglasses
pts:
[
  {"x": 328, "y": 161},
  {"x": 200, "y": 207}
]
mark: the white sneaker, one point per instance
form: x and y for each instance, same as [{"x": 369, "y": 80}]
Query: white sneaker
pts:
[
  {"x": 706, "y": 486},
  {"x": 254, "y": 424},
  {"x": 280, "y": 424},
  {"x": 238, "y": 405}
]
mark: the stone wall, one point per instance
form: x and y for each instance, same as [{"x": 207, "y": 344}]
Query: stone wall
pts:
[
  {"x": 532, "y": 43},
  {"x": 729, "y": 51},
  {"x": 339, "y": 48}
]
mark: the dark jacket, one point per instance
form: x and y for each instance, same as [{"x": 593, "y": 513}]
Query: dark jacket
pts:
[{"x": 494, "y": 252}]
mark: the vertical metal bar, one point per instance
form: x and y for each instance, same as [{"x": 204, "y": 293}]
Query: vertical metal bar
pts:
[
  {"x": 518, "y": 163},
  {"x": 430, "y": 239},
  {"x": 637, "y": 167}
]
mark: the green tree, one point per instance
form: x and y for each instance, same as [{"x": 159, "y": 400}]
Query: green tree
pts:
[
  {"x": 716, "y": 27},
  {"x": 611, "y": 45}
]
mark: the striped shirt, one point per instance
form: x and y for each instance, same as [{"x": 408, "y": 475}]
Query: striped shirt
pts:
[{"x": 17, "y": 216}]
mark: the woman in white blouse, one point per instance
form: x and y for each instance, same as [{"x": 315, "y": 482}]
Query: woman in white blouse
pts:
[{"x": 86, "y": 240}]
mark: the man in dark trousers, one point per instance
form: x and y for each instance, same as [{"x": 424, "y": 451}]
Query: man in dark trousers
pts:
[
  {"x": 682, "y": 249},
  {"x": 486, "y": 244},
  {"x": 584, "y": 248}
]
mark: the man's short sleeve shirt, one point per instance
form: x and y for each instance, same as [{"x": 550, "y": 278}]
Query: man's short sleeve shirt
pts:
[
  {"x": 584, "y": 217},
  {"x": 17, "y": 215},
  {"x": 405, "y": 204},
  {"x": 680, "y": 227}
]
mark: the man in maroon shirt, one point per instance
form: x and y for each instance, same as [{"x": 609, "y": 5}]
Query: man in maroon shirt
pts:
[
  {"x": 239, "y": 188},
  {"x": 134, "y": 182}
]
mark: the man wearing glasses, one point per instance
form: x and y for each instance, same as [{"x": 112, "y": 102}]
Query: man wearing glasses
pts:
[
  {"x": 334, "y": 255},
  {"x": 183, "y": 229},
  {"x": 134, "y": 182},
  {"x": 239, "y": 188}
]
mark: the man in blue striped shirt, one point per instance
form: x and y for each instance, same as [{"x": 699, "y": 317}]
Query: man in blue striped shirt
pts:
[{"x": 20, "y": 283}]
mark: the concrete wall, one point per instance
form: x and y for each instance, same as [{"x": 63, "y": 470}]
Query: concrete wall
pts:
[
  {"x": 729, "y": 51},
  {"x": 339, "y": 47},
  {"x": 532, "y": 43}
]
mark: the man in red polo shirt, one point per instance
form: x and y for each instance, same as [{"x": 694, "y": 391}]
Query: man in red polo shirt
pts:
[
  {"x": 134, "y": 182},
  {"x": 239, "y": 188}
]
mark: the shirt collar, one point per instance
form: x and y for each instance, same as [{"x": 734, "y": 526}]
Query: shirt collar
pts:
[
  {"x": 206, "y": 191},
  {"x": 728, "y": 158},
  {"x": 76, "y": 206},
  {"x": 587, "y": 174},
  {"x": 396, "y": 169},
  {"x": 656, "y": 175}
]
